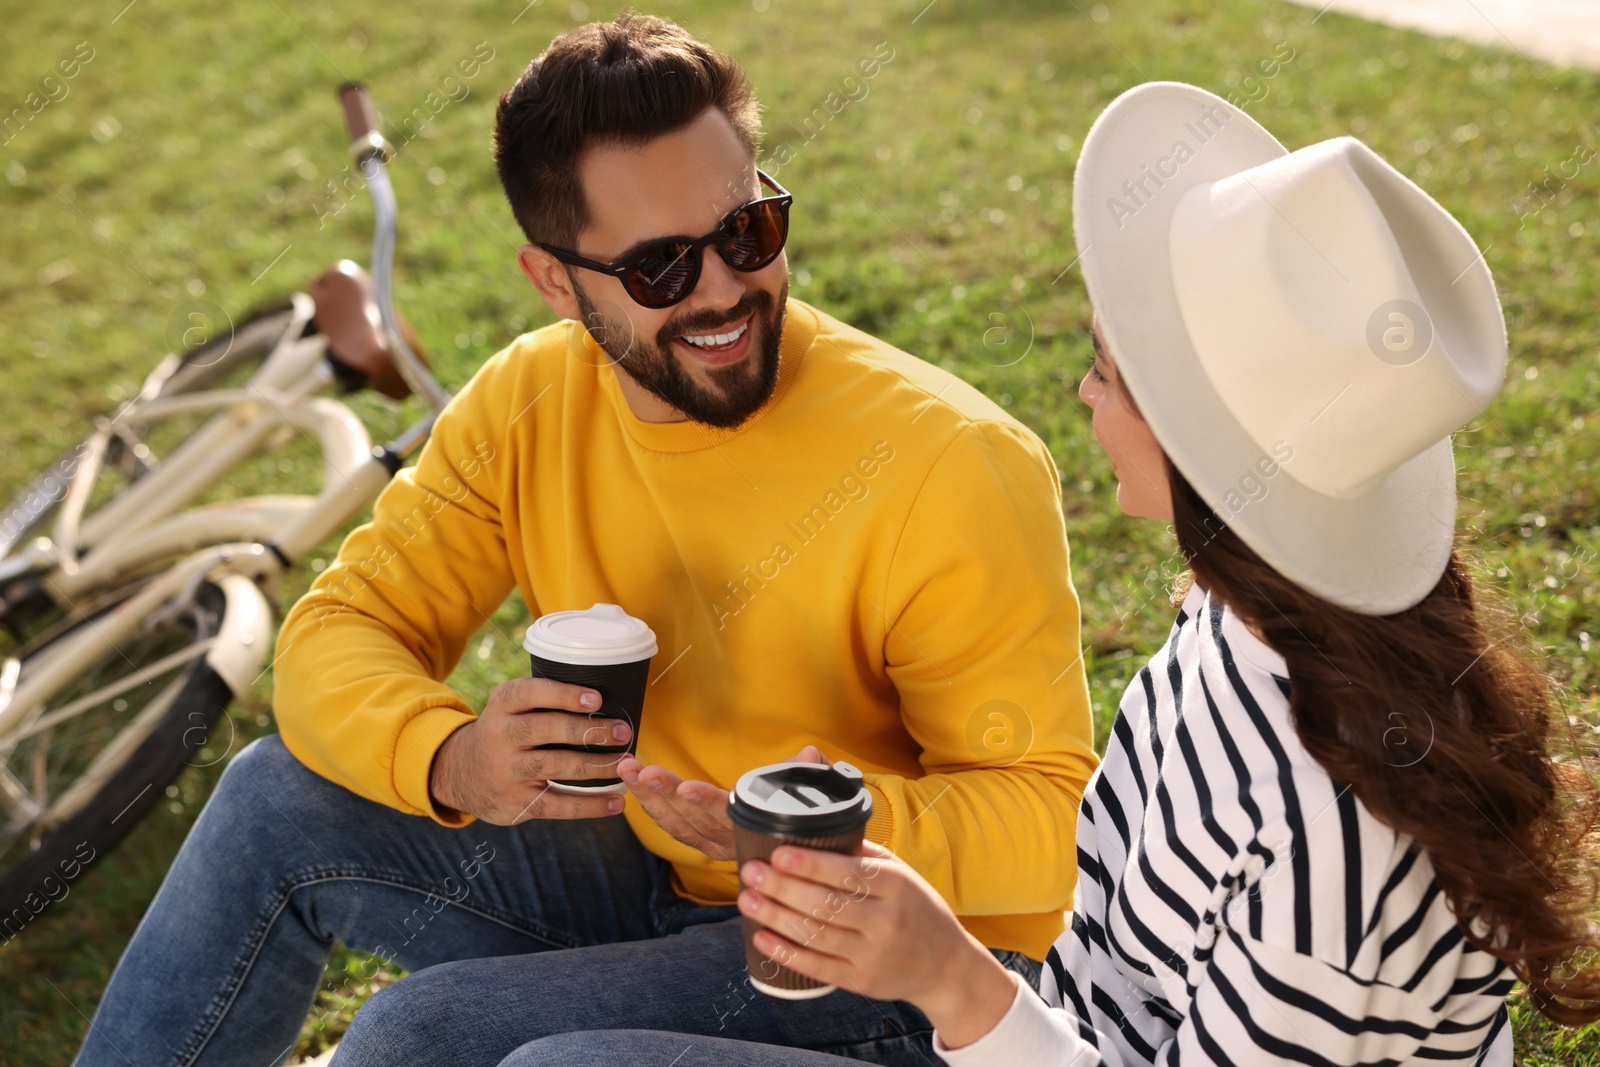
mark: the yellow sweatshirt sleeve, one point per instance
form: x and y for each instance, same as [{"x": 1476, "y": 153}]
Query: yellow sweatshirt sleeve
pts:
[
  {"x": 362, "y": 657},
  {"x": 983, "y": 648}
]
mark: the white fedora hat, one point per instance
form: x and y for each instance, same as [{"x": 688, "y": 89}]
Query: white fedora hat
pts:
[{"x": 1301, "y": 330}]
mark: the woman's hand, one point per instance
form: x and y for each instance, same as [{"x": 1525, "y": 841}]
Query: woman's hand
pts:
[{"x": 872, "y": 925}]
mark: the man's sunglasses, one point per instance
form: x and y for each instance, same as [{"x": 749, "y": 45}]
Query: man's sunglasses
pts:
[{"x": 661, "y": 273}]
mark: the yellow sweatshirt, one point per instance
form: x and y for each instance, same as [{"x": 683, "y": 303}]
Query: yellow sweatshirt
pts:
[{"x": 874, "y": 563}]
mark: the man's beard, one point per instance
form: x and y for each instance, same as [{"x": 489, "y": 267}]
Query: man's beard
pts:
[{"x": 743, "y": 386}]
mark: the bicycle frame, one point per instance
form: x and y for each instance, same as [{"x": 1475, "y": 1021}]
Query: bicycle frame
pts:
[
  {"x": 259, "y": 536},
  {"x": 146, "y": 524},
  {"x": 240, "y": 545}
]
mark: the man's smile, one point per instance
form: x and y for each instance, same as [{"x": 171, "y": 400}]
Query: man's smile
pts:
[{"x": 722, "y": 347}]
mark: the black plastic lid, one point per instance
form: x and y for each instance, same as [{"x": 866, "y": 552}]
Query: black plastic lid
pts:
[{"x": 801, "y": 800}]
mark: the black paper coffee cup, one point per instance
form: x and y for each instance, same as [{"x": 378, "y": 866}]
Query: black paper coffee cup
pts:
[
  {"x": 605, "y": 649},
  {"x": 805, "y": 804}
]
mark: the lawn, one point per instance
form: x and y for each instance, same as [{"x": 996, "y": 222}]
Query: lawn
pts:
[{"x": 185, "y": 167}]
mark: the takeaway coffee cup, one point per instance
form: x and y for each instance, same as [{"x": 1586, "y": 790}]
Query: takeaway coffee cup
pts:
[
  {"x": 805, "y": 804},
  {"x": 608, "y": 650}
]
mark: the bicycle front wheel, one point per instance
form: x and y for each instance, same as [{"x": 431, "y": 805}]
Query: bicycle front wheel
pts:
[{"x": 91, "y": 758}]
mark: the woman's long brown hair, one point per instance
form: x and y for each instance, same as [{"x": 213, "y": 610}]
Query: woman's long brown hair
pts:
[{"x": 1444, "y": 734}]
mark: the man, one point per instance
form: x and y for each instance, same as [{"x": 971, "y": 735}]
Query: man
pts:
[{"x": 836, "y": 544}]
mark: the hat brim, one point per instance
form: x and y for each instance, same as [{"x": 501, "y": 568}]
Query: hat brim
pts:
[{"x": 1375, "y": 554}]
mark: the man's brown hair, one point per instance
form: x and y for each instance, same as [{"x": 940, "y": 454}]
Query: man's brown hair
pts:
[{"x": 624, "y": 82}]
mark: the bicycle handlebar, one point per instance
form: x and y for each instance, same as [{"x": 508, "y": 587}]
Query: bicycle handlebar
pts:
[
  {"x": 371, "y": 152},
  {"x": 358, "y": 113}
]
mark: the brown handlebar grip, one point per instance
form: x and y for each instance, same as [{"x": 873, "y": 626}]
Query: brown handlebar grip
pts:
[{"x": 358, "y": 113}]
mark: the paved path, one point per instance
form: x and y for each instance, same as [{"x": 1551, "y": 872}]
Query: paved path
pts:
[{"x": 1564, "y": 32}]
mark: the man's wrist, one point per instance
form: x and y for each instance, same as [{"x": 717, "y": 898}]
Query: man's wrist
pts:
[{"x": 441, "y": 780}]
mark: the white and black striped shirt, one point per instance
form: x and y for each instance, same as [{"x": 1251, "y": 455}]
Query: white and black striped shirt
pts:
[{"x": 1235, "y": 905}]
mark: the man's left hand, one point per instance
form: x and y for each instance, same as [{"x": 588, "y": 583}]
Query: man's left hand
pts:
[{"x": 693, "y": 812}]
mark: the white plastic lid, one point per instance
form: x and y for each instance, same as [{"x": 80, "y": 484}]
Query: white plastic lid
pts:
[
  {"x": 801, "y": 799},
  {"x": 600, "y": 635}
]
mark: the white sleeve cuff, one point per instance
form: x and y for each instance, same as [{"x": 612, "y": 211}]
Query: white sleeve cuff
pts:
[{"x": 1030, "y": 1034}]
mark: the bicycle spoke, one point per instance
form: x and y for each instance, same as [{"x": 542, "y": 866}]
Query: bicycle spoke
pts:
[
  {"x": 85, "y": 785},
  {"x": 16, "y": 799},
  {"x": 115, "y": 689},
  {"x": 41, "y": 787},
  {"x": 64, "y": 751}
]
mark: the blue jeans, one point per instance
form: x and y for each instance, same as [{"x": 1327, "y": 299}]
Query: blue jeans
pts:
[
  {"x": 655, "y": 1048},
  {"x": 513, "y": 935}
]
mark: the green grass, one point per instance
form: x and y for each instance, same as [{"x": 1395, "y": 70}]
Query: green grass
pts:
[{"x": 187, "y": 164}]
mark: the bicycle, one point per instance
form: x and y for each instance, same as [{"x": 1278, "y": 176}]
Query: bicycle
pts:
[{"x": 142, "y": 614}]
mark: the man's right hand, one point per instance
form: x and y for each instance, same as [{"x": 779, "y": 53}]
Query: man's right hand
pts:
[{"x": 492, "y": 767}]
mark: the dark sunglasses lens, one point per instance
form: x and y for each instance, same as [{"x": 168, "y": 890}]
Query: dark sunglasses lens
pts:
[
  {"x": 755, "y": 236},
  {"x": 664, "y": 274}
]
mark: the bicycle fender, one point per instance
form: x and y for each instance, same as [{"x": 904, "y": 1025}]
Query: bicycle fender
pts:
[{"x": 244, "y": 641}]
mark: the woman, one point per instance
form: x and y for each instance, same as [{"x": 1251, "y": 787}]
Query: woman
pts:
[{"x": 1328, "y": 828}]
